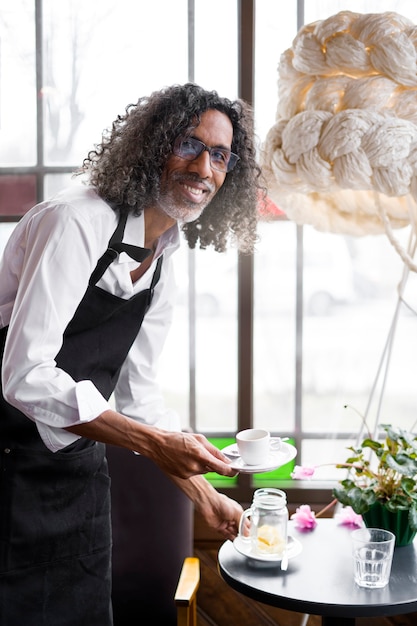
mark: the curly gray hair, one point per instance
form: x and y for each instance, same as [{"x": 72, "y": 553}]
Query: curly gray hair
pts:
[{"x": 126, "y": 167}]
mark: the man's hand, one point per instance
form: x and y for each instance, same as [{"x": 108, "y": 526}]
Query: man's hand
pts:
[
  {"x": 222, "y": 514},
  {"x": 188, "y": 454},
  {"x": 177, "y": 453}
]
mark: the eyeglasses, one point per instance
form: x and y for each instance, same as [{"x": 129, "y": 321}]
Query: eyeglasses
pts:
[{"x": 221, "y": 159}]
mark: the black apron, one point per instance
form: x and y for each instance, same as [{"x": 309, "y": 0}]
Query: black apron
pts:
[{"x": 55, "y": 530}]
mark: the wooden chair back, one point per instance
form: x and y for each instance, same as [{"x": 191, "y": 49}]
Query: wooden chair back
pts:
[{"x": 186, "y": 592}]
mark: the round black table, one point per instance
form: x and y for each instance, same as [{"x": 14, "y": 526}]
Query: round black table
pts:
[{"x": 319, "y": 581}]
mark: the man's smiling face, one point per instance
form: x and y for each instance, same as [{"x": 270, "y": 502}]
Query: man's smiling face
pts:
[{"x": 187, "y": 187}]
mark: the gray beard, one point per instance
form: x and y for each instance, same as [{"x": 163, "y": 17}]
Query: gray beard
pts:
[{"x": 181, "y": 213}]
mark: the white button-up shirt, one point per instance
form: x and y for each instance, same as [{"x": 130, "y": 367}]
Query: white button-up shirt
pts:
[{"x": 44, "y": 274}]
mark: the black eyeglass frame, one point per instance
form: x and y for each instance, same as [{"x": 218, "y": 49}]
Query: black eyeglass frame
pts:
[{"x": 200, "y": 146}]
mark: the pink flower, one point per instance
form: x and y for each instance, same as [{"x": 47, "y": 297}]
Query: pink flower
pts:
[
  {"x": 304, "y": 518},
  {"x": 303, "y": 472},
  {"x": 348, "y": 517}
]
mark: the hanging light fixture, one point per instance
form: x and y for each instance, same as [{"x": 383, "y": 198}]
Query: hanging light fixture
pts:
[{"x": 342, "y": 155}]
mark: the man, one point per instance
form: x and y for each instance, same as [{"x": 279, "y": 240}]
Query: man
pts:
[{"x": 85, "y": 301}]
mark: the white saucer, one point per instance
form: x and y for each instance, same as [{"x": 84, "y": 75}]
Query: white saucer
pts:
[
  {"x": 275, "y": 459},
  {"x": 294, "y": 548}
]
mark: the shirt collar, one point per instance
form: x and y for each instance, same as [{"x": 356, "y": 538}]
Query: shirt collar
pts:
[{"x": 134, "y": 235}]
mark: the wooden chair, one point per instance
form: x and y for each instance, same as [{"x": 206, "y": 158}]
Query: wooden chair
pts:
[{"x": 186, "y": 592}]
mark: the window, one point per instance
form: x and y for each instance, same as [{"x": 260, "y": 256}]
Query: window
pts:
[{"x": 309, "y": 338}]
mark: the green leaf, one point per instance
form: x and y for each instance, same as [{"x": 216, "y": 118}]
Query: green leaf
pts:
[
  {"x": 359, "y": 499},
  {"x": 402, "y": 463},
  {"x": 392, "y": 432},
  {"x": 347, "y": 484},
  {"x": 398, "y": 502},
  {"x": 403, "y": 437},
  {"x": 354, "y": 459},
  {"x": 409, "y": 486},
  {"x": 370, "y": 443}
]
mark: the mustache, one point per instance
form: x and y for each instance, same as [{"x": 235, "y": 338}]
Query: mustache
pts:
[{"x": 189, "y": 179}]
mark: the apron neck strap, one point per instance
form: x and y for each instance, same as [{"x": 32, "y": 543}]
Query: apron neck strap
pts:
[{"x": 115, "y": 246}]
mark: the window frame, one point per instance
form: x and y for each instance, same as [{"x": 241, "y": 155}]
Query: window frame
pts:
[{"x": 242, "y": 490}]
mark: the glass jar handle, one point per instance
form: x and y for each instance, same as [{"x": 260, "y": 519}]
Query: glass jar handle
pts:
[{"x": 243, "y": 525}]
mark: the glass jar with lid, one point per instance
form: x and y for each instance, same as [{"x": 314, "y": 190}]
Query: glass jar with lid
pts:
[{"x": 264, "y": 524}]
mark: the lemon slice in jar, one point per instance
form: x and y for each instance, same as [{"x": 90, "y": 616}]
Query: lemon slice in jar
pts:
[{"x": 270, "y": 540}]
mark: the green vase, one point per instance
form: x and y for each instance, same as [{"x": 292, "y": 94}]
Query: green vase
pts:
[{"x": 397, "y": 522}]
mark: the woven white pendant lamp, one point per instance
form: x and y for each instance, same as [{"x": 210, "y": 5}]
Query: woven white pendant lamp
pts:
[{"x": 342, "y": 155}]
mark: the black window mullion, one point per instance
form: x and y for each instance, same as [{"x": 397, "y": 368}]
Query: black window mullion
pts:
[{"x": 39, "y": 101}]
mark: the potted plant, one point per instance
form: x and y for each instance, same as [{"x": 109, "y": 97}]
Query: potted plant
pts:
[
  {"x": 382, "y": 482},
  {"x": 380, "y": 488}
]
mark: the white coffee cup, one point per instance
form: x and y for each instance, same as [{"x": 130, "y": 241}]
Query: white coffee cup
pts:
[{"x": 255, "y": 445}]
